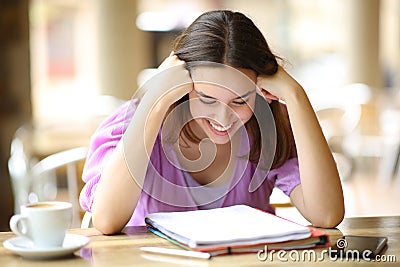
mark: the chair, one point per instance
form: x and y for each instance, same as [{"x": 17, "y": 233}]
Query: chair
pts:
[
  {"x": 40, "y": 181},
  {"x": 87, "y": 220},
  {"x": 396, "y": 167},
  {"x": 68, "y": 160},
  {"x": 390, "y": 132},
  {"x": 338, "y": 122},
  {"x": 278, "y": 199},
  {"x": 19, "y": 164},
  {"x": 339, "y": 113}
]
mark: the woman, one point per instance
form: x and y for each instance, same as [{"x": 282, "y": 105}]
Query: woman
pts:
[{"x": 220, "y": 124}]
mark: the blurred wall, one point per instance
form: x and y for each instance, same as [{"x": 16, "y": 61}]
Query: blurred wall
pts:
[
  {"x": 363, "y": 51},
  {"x": 123, "y": 50},
  {"x": 15, "y": 105}
]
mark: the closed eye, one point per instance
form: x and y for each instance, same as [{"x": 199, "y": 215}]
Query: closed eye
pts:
[
  {"x": 207, "y": 102},
  {"x": 240, "y": 102}
]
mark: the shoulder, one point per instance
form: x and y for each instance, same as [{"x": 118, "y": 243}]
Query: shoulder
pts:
[
  {"x": 111, "y": 129},
  {"x": 117, "y": 122},
  {"x": 121, "y": 116}
]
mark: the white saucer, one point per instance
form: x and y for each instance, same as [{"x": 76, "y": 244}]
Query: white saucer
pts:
[{"x": 23, "y": 247}]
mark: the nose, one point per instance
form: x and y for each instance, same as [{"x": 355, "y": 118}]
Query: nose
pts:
[{"x": 223, "y": 114}]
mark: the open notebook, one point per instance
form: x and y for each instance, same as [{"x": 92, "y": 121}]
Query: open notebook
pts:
[{"x": 235, "y": 229}]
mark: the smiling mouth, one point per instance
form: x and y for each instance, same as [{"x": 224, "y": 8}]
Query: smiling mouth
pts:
[{"x": 218, "y": 127}]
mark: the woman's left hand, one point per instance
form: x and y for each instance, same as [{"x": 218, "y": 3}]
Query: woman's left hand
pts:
[{"x": 278, "y": 86}]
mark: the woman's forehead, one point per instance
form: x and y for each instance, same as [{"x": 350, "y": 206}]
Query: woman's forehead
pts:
[{"x": 239, "y": 81}]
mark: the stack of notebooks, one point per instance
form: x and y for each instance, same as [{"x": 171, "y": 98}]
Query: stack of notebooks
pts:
[{"x": 235, "y": 229}]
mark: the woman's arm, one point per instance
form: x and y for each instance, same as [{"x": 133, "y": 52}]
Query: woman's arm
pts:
[
  {"x": 119, "y": 188},
  {"x": 319, "y": 197}
]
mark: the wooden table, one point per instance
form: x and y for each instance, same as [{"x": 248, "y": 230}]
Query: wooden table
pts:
[{"x": 124, "y": 249}]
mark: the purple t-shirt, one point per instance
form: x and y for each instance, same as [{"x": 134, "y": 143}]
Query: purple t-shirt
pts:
[{"x": 166, "y": 187}]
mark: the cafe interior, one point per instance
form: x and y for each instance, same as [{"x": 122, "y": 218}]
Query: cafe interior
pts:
[{"x": 66, "y": 65}]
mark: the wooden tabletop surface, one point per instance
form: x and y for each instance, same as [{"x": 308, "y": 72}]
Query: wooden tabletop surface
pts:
[{"x": 124, "y": 249}]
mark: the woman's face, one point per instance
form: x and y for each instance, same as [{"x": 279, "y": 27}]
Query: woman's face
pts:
[{"x": 222, "y": 101}]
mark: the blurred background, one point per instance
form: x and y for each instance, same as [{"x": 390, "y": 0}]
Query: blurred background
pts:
[{"x": 66, "y": 64}]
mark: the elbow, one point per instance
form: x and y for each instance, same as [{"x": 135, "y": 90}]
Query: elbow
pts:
[
  {"x": 107, "y": 226},
  {"x": 329, "y": 222},
  {"x": 330, "y": 219}
]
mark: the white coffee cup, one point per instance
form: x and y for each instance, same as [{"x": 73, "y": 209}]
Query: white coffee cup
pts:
[{"x": 44, "y": 223}]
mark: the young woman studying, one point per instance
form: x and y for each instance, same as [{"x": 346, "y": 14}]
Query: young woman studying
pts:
[{"x": 220, "y": 124}]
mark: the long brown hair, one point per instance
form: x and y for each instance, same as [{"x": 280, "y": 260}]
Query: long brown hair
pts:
[{"x": 232, "y": 39}]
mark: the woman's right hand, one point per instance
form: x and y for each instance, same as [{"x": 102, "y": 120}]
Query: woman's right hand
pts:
[
  {"x": 170, "y": 61},
  {"x": 172, "y": 80}
]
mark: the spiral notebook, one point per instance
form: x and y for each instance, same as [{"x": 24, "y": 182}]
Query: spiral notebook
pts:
[{"x": 234, "y": 229}]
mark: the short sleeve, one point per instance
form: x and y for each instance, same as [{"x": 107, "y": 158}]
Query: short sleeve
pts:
[
  {"x": 287, "y": 176},
  {"x": 102, "y": 144}
]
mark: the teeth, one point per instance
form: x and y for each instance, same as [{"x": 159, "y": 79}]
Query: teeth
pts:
[{"x": 220, "y": 128}]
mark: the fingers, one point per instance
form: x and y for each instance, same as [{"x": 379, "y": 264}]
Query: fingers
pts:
[
  {"x": 171, "y": 61},
  {"x": 268, "y": 96}
]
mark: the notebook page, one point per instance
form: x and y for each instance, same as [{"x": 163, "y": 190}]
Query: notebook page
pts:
[{"x": 226, "y": 225}]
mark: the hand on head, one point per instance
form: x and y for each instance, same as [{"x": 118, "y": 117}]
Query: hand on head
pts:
[
  {"x": 278, "y": 86},
  {"x": 171, "y": 61}
]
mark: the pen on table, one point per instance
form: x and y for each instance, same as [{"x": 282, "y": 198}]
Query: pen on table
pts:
[{"x": 177, "y": 252}]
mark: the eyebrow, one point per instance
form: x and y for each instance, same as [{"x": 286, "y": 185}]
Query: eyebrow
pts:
[{"x": 239, "y": 97}]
